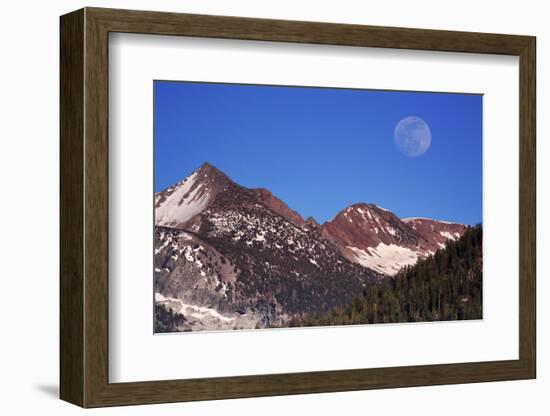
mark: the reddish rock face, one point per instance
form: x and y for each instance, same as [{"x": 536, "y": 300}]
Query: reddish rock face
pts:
[
  {"x": 178, "y": 205},
  {"x": 376, "y": 238},
  {"x": 366, "y": 234},
  {"x": 436, "y": 232},
  {"x": 367, "y": 225},
  {"x": 278, "y": 206}
]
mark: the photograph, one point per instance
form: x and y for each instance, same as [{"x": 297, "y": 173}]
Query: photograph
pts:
[
  {"x": 273, "y": 204},
  {"x": 310, "y": 206}
]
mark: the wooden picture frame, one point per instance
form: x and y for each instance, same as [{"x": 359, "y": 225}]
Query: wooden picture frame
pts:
[{"x": 84, "y": 207}]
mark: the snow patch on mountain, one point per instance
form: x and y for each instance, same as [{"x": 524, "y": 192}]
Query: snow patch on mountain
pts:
[
  {"x": 184, "y": 202},
  {"x": 198, "y": 312},
  {"x": 385, "y": 258},
  {"x": 449, "y": 236},
  {"x": 412, "y": 219}
]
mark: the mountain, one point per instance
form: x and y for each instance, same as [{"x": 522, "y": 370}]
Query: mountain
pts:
[
  {"x": 230, "y": 257},
  {"x": 436, "y": 232},
  {"x": 278, "y": 206},
  {"x": 443, "y": 287},
  {"x": 180, "y": 203},
  {"x": 376, "y": 238}
]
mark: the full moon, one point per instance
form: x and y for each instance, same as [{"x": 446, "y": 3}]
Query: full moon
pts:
[{"x": 412, "y": 136}]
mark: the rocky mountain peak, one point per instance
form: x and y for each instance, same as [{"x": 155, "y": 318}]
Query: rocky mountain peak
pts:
[
  {"x": 311, "y": 222},
  {"x": 179, "y": 203},
  {"x": 377, "y": 238},
  {"x": 364, "y": 233},
  {"x": 207, "y": 170}
]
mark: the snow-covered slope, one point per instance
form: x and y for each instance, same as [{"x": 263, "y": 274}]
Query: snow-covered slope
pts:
[
  {"x": 182, "y": 202},
  {"x": 376, "y": 238},
  {"x": 385, "y": 258},
  {"x": 176, "y": 205}
]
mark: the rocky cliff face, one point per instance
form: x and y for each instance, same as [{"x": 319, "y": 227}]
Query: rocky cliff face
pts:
[
  {"x": 178, "y": 204},
  {"x": 376, "y": 238},
  {"x": 229, "y": 257},
  {"x": 436, "y": 232}
]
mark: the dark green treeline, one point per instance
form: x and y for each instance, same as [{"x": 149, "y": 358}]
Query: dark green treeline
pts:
[{"x": 446, "y": 286}]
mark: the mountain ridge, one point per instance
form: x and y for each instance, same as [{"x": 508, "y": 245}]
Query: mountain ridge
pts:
[
  {"x": 364, "y": 233},
  {"x": 230, "y": 257}
]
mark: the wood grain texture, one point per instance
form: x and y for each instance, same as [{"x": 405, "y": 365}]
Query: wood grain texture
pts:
[
  {"x": 162, "y": 23},
  {"x": 71, "y": 100},
  {"x": 84, "y": 204},
  {"x": 96, "y": 219},
  {"x": 528, "y": 208}
]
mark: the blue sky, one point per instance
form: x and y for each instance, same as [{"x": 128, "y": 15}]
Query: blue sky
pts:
[{"x": 323, "y": 149}]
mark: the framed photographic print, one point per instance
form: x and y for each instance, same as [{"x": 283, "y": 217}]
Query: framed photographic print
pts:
[{"x": 255, "y": 207}]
